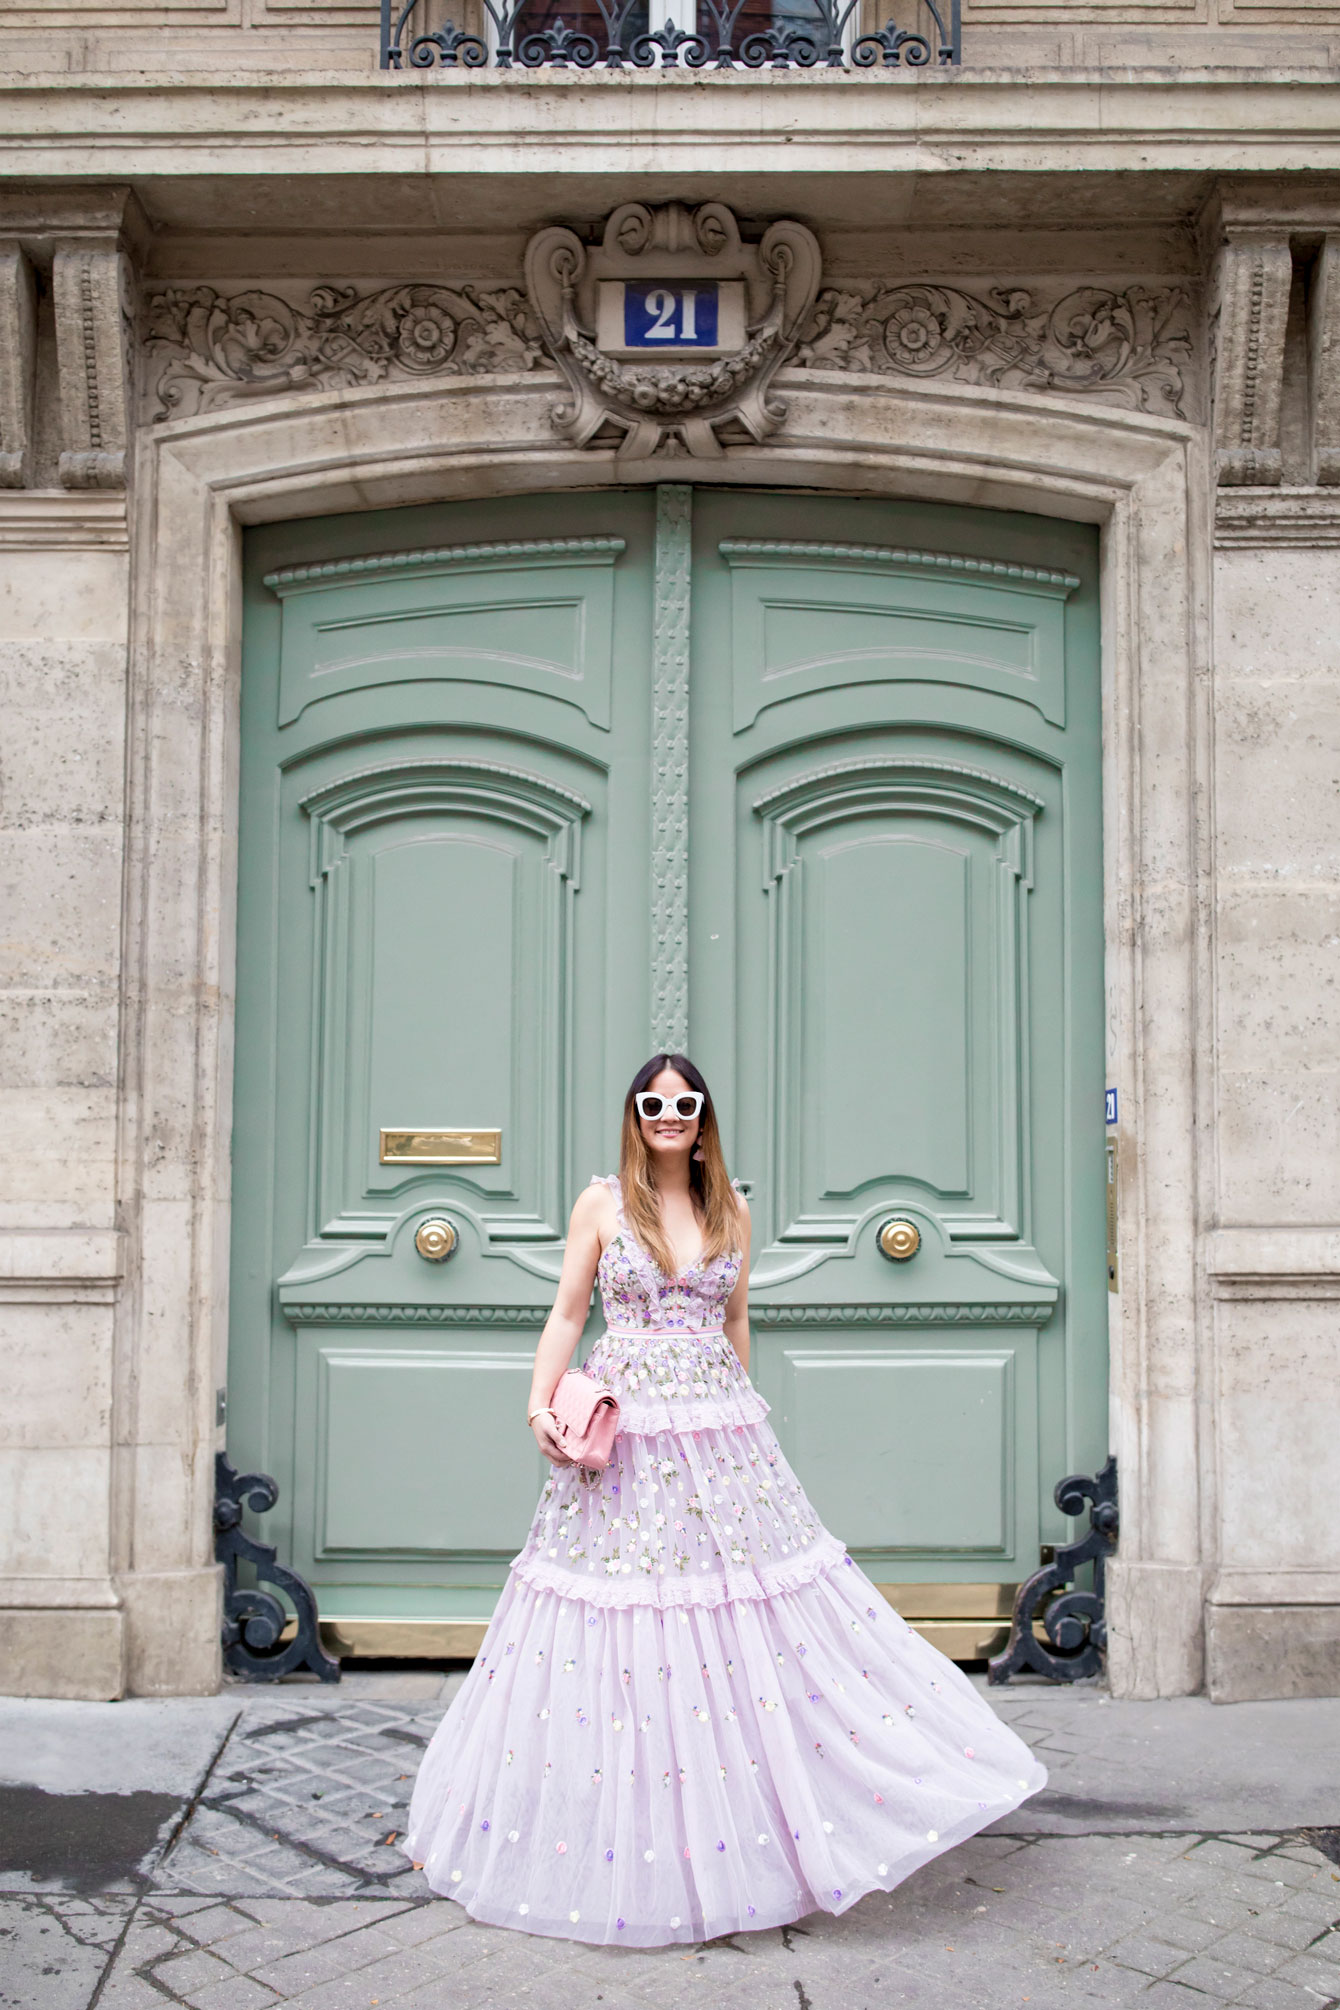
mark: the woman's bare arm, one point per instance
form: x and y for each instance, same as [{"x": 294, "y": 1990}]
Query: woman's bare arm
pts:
[
  {"x": 566, "y": 1322},
  {"x": 736, "y": 1322}
]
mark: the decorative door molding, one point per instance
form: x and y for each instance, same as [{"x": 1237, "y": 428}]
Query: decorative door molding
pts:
[{"x": 670, "y": 772}]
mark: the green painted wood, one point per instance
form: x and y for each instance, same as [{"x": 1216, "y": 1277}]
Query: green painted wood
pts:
[
  {"x": 469, "y": 776},
  {"x": 443, "y": 923},
  {"x": 896, "y": 966}
]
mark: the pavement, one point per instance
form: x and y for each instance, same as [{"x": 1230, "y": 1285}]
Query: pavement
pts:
[{"x": 237, "y": 1851}]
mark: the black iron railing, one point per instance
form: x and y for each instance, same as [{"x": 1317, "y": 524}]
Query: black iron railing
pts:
[{"x": 617, "y": 34}]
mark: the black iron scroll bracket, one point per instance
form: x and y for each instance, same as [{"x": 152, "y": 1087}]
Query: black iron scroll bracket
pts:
[
  {"x": 1076, "y": 1622},
  {"x": 254, "y": 1620}
]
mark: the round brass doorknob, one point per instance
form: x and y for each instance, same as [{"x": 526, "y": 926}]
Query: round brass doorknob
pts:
[
  {"x": 435, "y": 1239},
  {"x": 898, "y": 1240}
]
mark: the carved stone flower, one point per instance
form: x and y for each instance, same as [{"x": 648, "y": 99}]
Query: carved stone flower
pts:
[
  {"x": 426, "y": 336},
  {"x": 912, "y": 336}
]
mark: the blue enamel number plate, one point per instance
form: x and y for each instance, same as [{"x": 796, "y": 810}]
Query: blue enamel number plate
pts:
[{"x": 659, "y": 315}]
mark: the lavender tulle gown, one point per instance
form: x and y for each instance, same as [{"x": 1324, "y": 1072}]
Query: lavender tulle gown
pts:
[{"x": 692, "y": 1712}]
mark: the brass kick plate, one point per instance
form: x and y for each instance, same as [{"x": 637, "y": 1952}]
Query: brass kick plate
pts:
[
  {"x": 441, "y": 1148},
  {"x": 404, "y": 1639},
  {"x": 968, "y": 1622}
]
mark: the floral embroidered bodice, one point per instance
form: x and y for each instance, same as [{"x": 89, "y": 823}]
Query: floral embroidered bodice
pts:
[
  {"x": 635, "y": 1291},
  {"x": 665, "y": 1356}
]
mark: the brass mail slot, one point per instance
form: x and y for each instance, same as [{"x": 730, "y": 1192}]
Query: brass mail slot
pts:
[{"x": 441, "y": 1148}]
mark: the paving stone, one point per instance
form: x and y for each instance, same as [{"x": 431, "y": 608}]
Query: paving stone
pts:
[
  {"x": 1286, "y": 1928},
  {"x": 252, "y": 1946},
  {"x": 1152, "y": 1956},
  {"x": 48, "y": 1960},
  {"x": 339, "y": 1955},
  {"x": 306, "y": 1923},
  {"x": 1278, "y": 1869},
  {"x": 1310, "y": 1973},
  {"x": 882, "y": 1988},
  {"x": 389, "y": 1977},
  {"x": 1175, "y": 1996},
  {"x": 1227, "y": 1856},
  {"x": 407, "y": 1926},
  {"x": 1273, "y": 1993},
  {"x": 183, "y": 1973},
  {"x": 1215, "y": 1978},
  {"x": 128, "y": 1991},
  {"x": 1248, "y": 1949},
  {"x": 1321, "y": 1904},
  {"x": 208, "y": 1924},
  {"x": 1192, "y": 1935},
  {"x": 239, "y": 1992},
  {"x": 1221, "y": 1909}
]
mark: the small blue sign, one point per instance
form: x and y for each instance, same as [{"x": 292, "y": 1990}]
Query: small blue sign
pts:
[
  {"x": 662, "y": 315},
  {"x": 1112, "y": 1106}
]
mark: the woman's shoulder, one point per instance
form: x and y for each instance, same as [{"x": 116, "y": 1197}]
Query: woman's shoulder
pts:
[
  {"x": 592, "y": 1203},
  {"x": 595, "y": 1198}
]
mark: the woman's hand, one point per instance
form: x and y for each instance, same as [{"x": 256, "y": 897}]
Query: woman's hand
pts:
[{"x": 546, "y": 1437}]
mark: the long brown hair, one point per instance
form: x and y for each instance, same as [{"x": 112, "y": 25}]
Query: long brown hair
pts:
[{"x": 710, "y": 1190}]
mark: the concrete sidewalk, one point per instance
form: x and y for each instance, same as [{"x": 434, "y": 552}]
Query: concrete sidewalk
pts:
[{"x": 236, "y": 1852}]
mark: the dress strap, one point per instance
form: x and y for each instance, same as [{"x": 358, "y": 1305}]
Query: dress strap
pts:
[{"x": 611, "y": 1180}]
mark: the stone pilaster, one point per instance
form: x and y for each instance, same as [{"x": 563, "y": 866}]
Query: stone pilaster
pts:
[
  {"x": 18, "y": 348},
  {"x": 1254, "y": 272},
  {"x": 1325, "y": 363},
  {"x": 91, "y": 290}
]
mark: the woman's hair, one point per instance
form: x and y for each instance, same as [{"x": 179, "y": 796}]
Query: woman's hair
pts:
[{"x": 713, "y": 1196}]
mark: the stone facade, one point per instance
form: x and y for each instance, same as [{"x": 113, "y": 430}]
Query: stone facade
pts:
[{"x": 236, "y": 287}]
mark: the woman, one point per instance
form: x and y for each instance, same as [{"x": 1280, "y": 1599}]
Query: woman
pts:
[{"x": 692, "y": 1712}]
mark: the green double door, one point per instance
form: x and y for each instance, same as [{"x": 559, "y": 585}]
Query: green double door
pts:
[{"x": 531, "y": 787}]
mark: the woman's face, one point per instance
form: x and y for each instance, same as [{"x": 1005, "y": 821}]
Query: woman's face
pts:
[{"x": 668, "y": 1137}]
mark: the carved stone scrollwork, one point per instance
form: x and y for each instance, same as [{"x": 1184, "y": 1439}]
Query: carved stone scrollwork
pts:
[
  {"x": 1129, "y": 348},
  {"x": 681, "y": 406},
  {"x": 1253, "y": 275},
  {"x": 91, "y": 289},
  {"x": 17, "y": 344},
  {"x": 211, "y": 347}
]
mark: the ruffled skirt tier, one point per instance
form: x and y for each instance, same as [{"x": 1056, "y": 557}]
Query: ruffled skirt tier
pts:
[{"x": 693, "y": 1714}]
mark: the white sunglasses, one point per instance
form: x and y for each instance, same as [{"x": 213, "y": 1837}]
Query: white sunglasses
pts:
[{"x": 651, "y": 1106}]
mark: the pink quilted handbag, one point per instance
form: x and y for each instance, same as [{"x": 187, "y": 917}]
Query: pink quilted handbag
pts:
[{"x": 586, "y": 1418}]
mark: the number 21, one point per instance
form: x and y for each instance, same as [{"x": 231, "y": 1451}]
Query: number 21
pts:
[{"x": 662, "y": 303}]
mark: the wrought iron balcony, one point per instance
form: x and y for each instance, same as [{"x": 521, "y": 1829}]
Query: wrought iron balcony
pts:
[{"x": 665, "y": 35}]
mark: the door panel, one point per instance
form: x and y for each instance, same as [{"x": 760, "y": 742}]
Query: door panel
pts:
[
  {"x": 534, "y": 619},
  {"x": 896, "y": 980},
  {"x": 442, "y": 930},
  {"x": 871, "y": 1423},
  {"x": 809, "y": 617},
  {"x": 896, "y": 740},
  {"x": 399, "y": 1409},
  {"x": 440, "y": 881}
]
